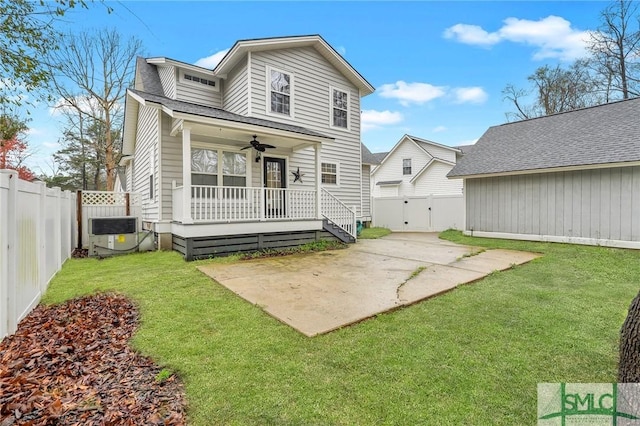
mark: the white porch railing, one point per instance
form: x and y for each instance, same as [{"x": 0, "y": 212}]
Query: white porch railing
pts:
[
  {"x": 237, "y": 204},
  {"x": 337, "y": 212}
]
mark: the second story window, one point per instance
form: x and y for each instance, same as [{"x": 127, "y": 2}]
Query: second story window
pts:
[
  {"x": 340, "y": 108},
  {"x": 406, "y": 166},
  {"x": 280, "y": 91}
]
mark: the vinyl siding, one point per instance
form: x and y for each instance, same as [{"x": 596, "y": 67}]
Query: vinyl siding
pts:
[
  {"x": 366, "y": 190},
  {"x": 196, "y": 93},
  {"x": 434, "y": 181},
  {"x": 313, "y": 76},
  {"x": 440, "y": 152},
  {"x": 171, "y": 164},
  {"x": 146, "y": 160},
  {"x": 598, "y": 204},
  {"x": 236, "y": 90},
  {"x": 129, "y": 175},
  {"x": 391, "y": 169},
  {"x": 168, "y": 80}
]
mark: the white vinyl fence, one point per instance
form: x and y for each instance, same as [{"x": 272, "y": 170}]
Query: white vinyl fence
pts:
[
  {"x": 434, "y": 213},
  {"x": 37, "y": 234}
]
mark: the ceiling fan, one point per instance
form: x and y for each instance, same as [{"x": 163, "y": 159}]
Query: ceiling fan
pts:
[{"x": 259, "y": 146}]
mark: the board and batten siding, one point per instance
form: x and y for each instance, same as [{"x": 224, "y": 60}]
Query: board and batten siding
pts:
[
  {"x": 598, "y": 204},
  {"x": 168, "y": 80},
  {"x": 391, "y": 169},
  {"x": 434, "y": 181},
  {"x": 313, "y": 76},
  {"x": 236, "y": 89},
  {"x": 146, "y": 160}
]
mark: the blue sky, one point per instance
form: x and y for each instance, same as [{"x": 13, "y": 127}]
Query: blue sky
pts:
[{"x": 438, "y": 67}]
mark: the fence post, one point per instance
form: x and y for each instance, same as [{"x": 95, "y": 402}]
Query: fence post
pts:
[
  {"x": 127, "y": 200},
  {"x": 79, "y": 217},
  {"x": 58, "y": 227},
  {"x": 9, "y": 299},
  {"x": 4, "y": 263},
  {"x": 41, "y": 237}
]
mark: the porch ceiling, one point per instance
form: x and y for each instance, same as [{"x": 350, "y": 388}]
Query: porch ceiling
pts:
[{"x": 240, "y": 137}]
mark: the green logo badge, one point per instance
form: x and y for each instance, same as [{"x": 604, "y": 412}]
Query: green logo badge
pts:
[{"x": 567, "y": 404}]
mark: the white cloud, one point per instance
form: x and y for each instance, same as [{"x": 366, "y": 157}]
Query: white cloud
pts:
[
  {"x": 371, "y": 119},
  {"x": 341, "y": 50},
  {"x": 408, "y": 93},
  {"x": 553, "y": 36},
  {"x": 439, "y": 129},
  {"x": 473, "y": 95},
  {"x": 51, "y": 145},
  {"x": 467, "y": 142},
  {"x": 210, "y": 62},
  {"x": 471, "y": 34}
]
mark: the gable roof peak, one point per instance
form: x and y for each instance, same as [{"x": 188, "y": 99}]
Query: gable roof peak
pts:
[{"x": 241, "y": 47}]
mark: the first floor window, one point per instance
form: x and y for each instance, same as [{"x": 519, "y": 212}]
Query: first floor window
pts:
[
  {"x": 204, "y": 167},
  {"x": 406, "y": 166},
  {"x": 216, "y": 167},
  {"x": 234, "y": 169},
  {"x": 329, "y": 173}
]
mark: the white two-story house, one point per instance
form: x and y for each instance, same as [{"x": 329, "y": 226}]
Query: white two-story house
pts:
[{"x": 261, "y": 152}]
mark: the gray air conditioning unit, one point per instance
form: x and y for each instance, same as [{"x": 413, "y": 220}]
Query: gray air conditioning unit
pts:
[{"x": 112, "y": 235}]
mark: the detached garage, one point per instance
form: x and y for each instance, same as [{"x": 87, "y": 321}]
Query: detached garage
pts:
[{"x": 572, "y": 177}]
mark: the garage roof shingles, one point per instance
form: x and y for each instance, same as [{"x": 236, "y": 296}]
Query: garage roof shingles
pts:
[{"x": 603, "y": 134}]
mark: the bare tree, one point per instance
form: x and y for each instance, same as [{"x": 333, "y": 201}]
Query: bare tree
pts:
[
  {"x": 91, "y": 75},
  {"x": 615, "y": 49},
  {"x": 554, "y": 90}
]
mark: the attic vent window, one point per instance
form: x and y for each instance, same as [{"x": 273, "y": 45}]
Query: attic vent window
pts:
[{"x": 200, "y": 80}]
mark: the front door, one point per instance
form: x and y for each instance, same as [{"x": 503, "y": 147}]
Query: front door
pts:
[{"x": 275, "y": 180}]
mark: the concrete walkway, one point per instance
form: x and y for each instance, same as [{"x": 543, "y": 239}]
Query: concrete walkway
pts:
[{"x": 320, "y": 292}]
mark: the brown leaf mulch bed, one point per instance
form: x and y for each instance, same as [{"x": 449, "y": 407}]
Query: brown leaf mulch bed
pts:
[{"x": 70, "y": 364}]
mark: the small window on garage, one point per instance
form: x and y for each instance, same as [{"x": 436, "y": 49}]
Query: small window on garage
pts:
[{"x": 406, "y": 166}]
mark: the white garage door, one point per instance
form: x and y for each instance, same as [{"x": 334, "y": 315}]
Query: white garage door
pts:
[{"x": 419, "y": 214}]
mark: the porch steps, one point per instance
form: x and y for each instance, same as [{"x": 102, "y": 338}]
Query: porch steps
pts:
[{"x": 337, "y": 231}]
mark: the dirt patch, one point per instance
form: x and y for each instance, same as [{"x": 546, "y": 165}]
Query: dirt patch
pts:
[{"x": 71, "y": 364}]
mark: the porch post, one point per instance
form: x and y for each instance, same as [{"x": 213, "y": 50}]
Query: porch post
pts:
[
  {"x": 186, "y": 175},
  {"x": 318, "y": 180}
]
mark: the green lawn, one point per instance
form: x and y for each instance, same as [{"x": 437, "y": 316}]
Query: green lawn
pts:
[
  {"x": 471, "y": 356},
  {"x": 371, "y": 233}
]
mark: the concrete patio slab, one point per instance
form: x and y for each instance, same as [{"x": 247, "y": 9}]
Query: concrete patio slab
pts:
[{"x": 319, "y": 292}]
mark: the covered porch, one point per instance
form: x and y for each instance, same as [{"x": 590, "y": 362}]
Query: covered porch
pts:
[{"x": 233, "y": 189}]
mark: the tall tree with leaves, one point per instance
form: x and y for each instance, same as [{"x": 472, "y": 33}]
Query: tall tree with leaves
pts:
[
  {"x": 27, "y": 36},
  {"x": 615, "y": 49},
  {"x": 554, "y": 90},
  {"x": 91, "y": 75},
  {"x": 14, "y": 149}
]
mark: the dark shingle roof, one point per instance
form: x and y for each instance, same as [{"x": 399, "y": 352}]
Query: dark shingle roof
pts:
[
  {"x": 205, "y": 111},
  {"x": 465, "y": 149},
  {"x": 380, "y": 156},
  {"x": 602, "y": 134},
  {"x": 367, "y": 156},
  {"x": 389, "y": 182},
  {"x": 149, "y": 80}
]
